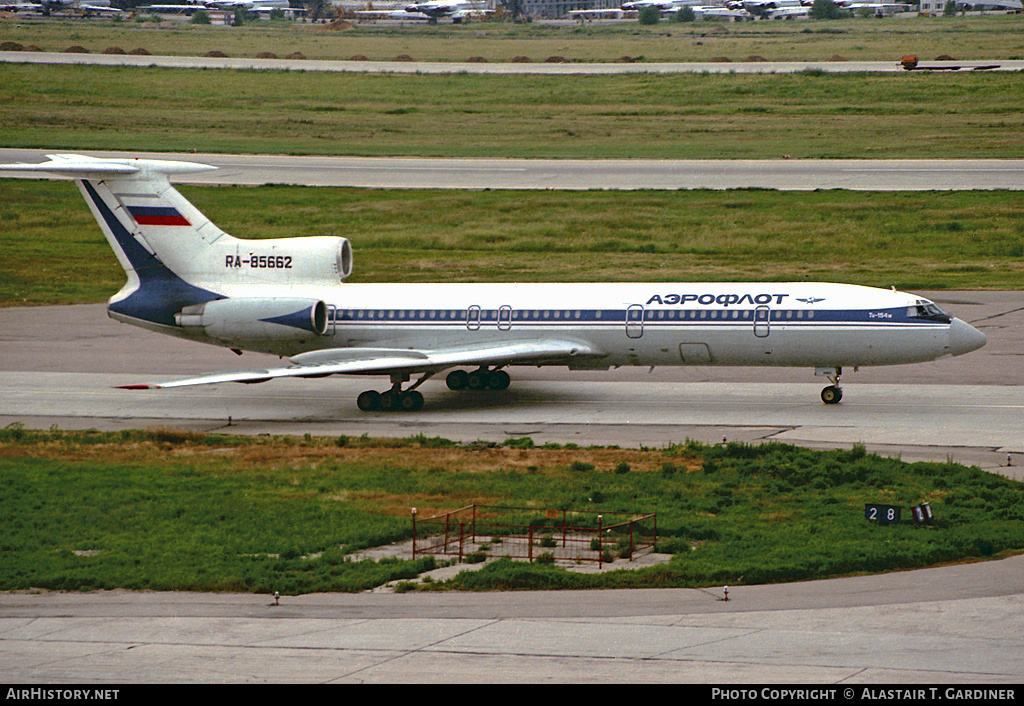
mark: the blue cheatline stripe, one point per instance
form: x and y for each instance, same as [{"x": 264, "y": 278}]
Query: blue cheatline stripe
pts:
[
  {"x": 610, "y": 317},
  {"x": 161, "y": 293}
]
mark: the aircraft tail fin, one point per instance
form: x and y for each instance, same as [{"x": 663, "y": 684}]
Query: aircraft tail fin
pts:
[
  {"x": 176, "y": 259},
  {"x": 159, "y": 238}
]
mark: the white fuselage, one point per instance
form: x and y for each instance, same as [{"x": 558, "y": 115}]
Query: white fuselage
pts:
[{"x": 656, "y": 324}]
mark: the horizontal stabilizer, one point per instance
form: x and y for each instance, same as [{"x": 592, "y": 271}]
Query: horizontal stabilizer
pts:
[{"x": 84, "y": 167}]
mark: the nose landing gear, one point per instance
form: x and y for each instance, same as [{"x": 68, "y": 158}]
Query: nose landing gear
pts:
[{"x": 833, "y": 393}]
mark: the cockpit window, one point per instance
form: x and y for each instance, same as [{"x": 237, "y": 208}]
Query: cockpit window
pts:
[{"x": 924, "y": 309}]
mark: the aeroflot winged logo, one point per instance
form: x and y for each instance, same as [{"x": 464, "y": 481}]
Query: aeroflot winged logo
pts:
[{"x": 810, "y": 300}]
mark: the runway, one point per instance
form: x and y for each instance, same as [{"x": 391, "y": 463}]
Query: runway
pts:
[{"x": 421, "y": 173}]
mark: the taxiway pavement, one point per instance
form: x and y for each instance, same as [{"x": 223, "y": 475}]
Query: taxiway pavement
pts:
[
  {"x": 945, "y": 626},
  {"x": 60, "y": 365},
  {"x": 496, "y": 68}
]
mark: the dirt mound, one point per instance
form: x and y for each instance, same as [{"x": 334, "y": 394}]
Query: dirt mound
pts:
[
  {"x": 297, "y": 56},
  {"x": 139, "y": 51},
  {"x": 625, "y": 60},
  {"x": 944, "y": 57},
  {"x": 720, "y": 59},
  {"x": 360, "y": 57},
  {"x": 556, "y": 60},
  {"x": 266, "y": 55},
  {"x": 476, "y": 60},
  {"x": 11, "y": 46},
  {"x": 836, "y": 57},
  {"x": 76, "y": 49},
  {"x": 215, "y": 53},
  {"x": 520, "y": 60},
  {"x": 755, "y": 57},
  {"x": 114, "y": 50},
  {"x": 337, "y": 25},
  {"x": 403, "y": 57}
]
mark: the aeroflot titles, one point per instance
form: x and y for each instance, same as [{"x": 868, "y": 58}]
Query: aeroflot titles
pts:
[{"x": 723, "y": 299}]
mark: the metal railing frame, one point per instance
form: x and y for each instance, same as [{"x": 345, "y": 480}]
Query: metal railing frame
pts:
[{"x": 440, "y": 534}]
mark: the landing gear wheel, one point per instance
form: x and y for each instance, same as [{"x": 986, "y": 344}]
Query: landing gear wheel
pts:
[
  {"x": 457, "y": 380},
  {"x": 368, "y": 401},
  {"x": 389, "y": 400},
  {"x": 477, "y": 380},
  {"x": 411, "y": 401},
  {"x": 831, "y": 394},
  {"x": 498, "y": 380}
]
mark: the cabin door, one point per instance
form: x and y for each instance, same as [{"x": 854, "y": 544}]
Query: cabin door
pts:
[
  {"x": 762, "y": 321},
  {"x": 635, "y": 321}
]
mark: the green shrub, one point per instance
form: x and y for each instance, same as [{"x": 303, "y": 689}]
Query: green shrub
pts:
[{"x": 649, "y": 15}]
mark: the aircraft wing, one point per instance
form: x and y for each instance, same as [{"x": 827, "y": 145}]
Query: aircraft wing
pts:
[{"x": 384, "y": 361}]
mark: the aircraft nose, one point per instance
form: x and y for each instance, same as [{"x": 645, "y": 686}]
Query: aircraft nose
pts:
[{"x": 964, "y": 338}]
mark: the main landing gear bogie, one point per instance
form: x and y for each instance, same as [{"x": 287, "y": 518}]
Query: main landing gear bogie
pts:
[
  {"x": 390, "y": 401},
  {"x": 411, "y": 400},
  {"x": 482, "y": 379}
]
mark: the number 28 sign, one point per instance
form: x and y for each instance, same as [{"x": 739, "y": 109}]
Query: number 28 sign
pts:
[{"x": 882, "y": 514}]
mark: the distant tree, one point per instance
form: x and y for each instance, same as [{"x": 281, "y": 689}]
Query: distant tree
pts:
[
  {"x": 684, "y": 14},
  {"x": 825, "y": 10},
  {"x": 316, "y": 9},
  {"x": 650, "y": 15},
  {"x": 200, "y": 17},
  {"x": 949, "y": 9}
]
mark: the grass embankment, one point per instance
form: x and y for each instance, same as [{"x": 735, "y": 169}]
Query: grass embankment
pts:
[
  {"x": 678, "y": 116},
  {"x": 54, "y": 252},
  {"x": 167, "y": 510}
]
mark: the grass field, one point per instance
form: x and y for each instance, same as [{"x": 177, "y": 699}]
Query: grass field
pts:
[
  {"x": 994, "y": 37},
  {"x": 56, "y": 254},
  {"x": 167, "y": 510},
  {"x": 690, "y": 116}
]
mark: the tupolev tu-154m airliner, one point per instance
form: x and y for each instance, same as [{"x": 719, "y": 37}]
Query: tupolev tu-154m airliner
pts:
[{"x": 287, "y": 296}]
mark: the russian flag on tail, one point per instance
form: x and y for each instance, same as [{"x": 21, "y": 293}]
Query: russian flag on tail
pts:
[{"x": 157, "y": 216}]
